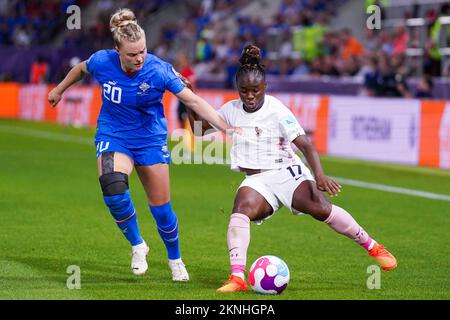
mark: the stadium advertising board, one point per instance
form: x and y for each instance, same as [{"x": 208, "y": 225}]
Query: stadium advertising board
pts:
[
  {"x": 384, "y": 130},
  {"x": 404, "y": 131},
  {"x": 32, "y": 102},
  {"x": 444, "y": 135},
  {"x": 74, "y": 107}
]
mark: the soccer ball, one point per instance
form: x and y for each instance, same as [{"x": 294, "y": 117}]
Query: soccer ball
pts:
[{"x": 269, "y": 275}]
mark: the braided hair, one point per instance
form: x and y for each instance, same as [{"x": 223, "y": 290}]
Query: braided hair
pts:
[
  {"x": 124, "y": 26},
  {"x": 250, "y": 64}
]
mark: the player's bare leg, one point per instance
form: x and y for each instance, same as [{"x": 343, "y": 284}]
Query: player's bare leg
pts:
[
  {"x": 114, "y": 168},
  {"x": 308, "y": 199},
  {"x": 156, "y": 183},
  {"x": 249, "y": 205},
  {"x": 121, "y": 163}
]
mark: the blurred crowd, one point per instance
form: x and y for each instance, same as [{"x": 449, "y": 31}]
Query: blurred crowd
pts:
[
  {"x": 96, "y": 34},
  {"x": 214, "y": 34},
  {"x": 384, "y": 66},
  {"x": 27, "y": 23},
  {"x": 297, "y": 41}
]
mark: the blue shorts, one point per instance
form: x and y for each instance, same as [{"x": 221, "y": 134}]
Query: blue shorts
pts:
[{"x": 145, "y": 156}]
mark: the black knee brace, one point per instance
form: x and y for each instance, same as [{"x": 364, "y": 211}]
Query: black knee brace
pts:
[{"x": 114, "y": 183}]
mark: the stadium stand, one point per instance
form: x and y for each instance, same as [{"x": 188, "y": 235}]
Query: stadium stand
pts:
[{"x": 305, "y": 45}]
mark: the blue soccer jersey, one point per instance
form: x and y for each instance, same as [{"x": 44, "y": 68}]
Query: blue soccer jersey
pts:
[{"x": 132, "y": 111}]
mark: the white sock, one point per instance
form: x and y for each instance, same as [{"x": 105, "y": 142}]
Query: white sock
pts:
[
  {"x": 371, "y": 245},
  {"x": 175, "y": 260},
  {"x": 139, "y": 246}
]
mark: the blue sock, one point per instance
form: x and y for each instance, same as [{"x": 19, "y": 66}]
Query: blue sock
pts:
[
  {"x": 122, "y": 210},
  {"x": 167, "y": 224}
]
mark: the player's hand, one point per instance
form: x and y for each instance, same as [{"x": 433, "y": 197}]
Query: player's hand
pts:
[
  {"x": 328, "y": 185},
  {"x": 233, "y": 130},
  {"x": 54, "y": 97}
]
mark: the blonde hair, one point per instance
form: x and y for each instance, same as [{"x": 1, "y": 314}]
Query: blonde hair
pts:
[{"x": 124, "y": 26}]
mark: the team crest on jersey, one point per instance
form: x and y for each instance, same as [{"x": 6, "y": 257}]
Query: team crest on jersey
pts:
[
  {"x": 143, "y": 87},
  {"x": 258, "y": 131}
]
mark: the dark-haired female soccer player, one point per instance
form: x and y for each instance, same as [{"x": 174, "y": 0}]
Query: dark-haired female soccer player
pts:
[
  {"x": 275, "y": 175},
  {"x": 132, "y": 133}
]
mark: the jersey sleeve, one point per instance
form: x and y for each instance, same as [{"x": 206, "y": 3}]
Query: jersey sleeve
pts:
[
  {"x": 95, "y": 61},
  {"x": 289, "y": 125},
  {"x": 172, "y": 82},
  {"x": 224, "y": 113}
]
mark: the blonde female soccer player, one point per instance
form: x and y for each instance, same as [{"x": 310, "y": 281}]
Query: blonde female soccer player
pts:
[
  {"x": 275, "y": 175},
  {"x": 132, "y": 133}
]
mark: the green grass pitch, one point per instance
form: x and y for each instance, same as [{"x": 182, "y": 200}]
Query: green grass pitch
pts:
[{"x": 53, "y": 216}]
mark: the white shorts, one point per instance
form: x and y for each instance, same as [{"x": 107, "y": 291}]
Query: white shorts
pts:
[{"x": 278, "y": 186}]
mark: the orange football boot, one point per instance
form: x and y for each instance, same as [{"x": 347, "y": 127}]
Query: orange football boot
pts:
[
  {"x": 234, "y": 284},
  {"x": 386, "y": 260}
]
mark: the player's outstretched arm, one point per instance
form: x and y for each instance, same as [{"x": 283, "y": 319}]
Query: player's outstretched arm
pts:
[
  {"x": 323, "y": 182},
  {"x": 203, "y": 110},
  {"x": 194, "y": 117},
  {"x": 75, "y": 74}
]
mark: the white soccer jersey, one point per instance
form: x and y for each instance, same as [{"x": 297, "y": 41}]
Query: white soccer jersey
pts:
[{"x": 265, "y": 142}]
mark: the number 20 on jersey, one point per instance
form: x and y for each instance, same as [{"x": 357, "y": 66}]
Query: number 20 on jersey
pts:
[{"x": 112, "y": 93}]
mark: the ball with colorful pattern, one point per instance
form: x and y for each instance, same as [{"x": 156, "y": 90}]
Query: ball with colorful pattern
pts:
[{"x": 269, "y": 275}]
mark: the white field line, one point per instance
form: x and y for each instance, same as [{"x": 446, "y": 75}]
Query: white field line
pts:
[
  {"x": 345, "y": 181},
  {"x": 391, "y": 189},
  {"x": 45, "y": 135}
]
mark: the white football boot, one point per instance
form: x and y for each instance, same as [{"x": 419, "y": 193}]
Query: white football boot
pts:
[
  {"x": 139, "y": 258},
  {"x": 179, "y": 272}
]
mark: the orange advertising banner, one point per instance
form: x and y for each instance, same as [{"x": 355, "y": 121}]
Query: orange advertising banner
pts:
[
  {"x": 9, "y": 93},
  {"x": 431, "y": 116}
]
